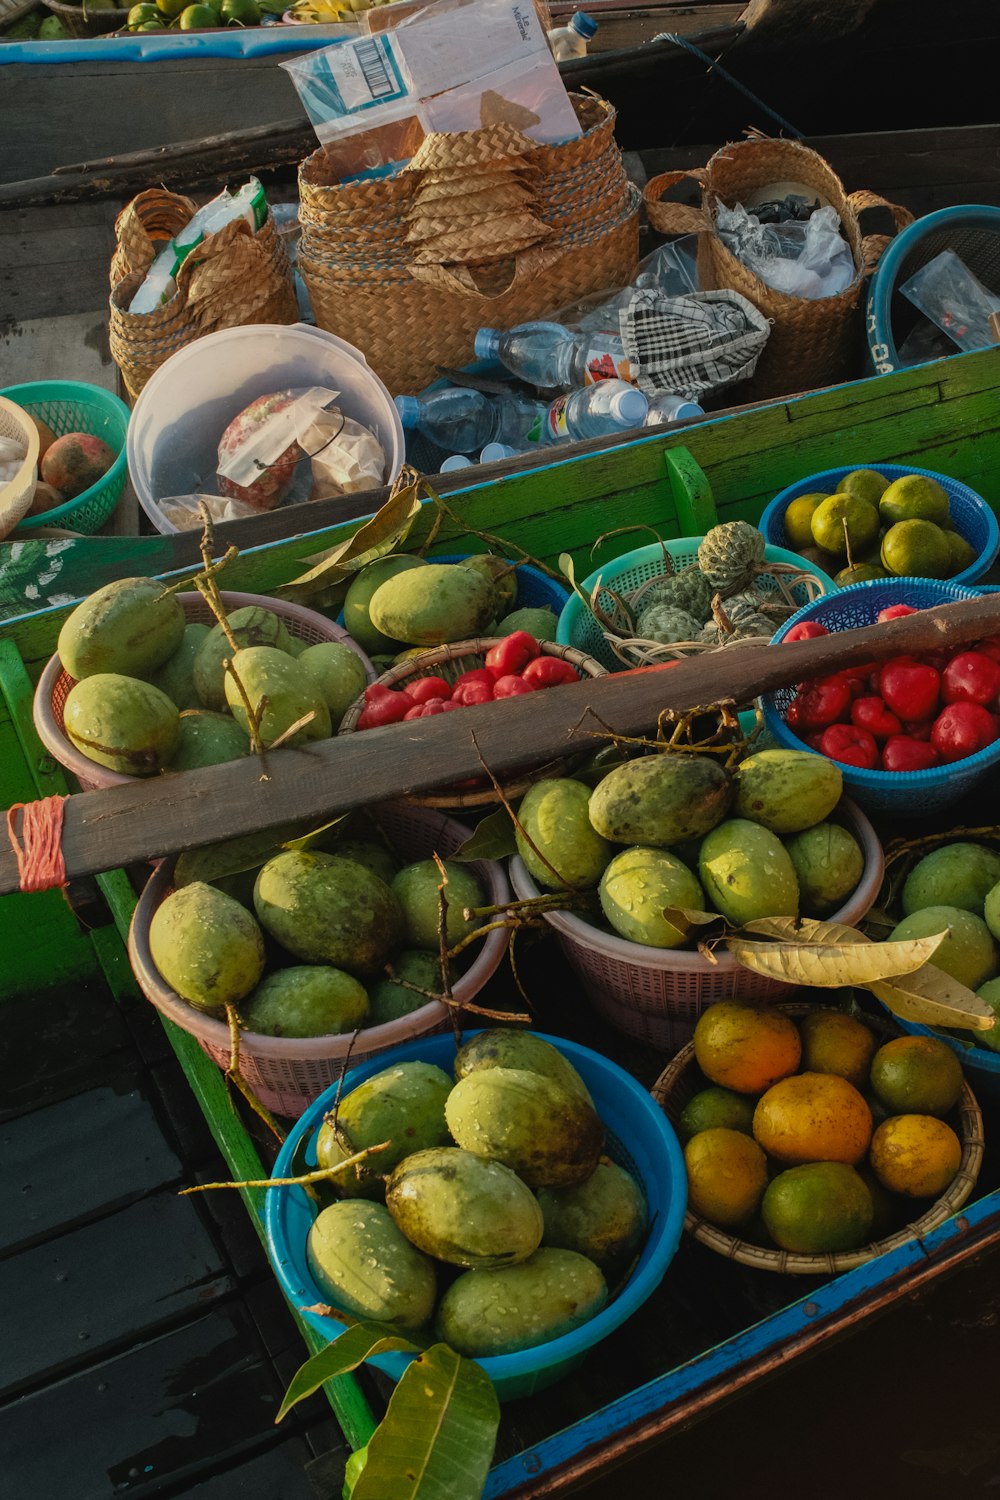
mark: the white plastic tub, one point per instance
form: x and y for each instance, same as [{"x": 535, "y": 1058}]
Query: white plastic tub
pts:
[{"x": 184, "y": 409}]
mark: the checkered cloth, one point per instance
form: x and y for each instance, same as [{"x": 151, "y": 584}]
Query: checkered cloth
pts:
[{"x": 693, "y": 345}]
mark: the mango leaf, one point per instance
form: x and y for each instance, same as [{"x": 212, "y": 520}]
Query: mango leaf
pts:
[
  {"x": 804, "y": 929},
  {"x": 493, "y": 838},
  {"x": 307, "y": 840},
  {"x": 352, "y": 1470},
  {"x": 349, "y": 1350},
  {"x": 690, "y": 922},
  {"x": 437, "y": 1438},
  {"x": 383, "y": 531},
  {"x": 233, "y": 856},
  {"x": 828, "y": 965},
  {"x": 931, "y": 997}
]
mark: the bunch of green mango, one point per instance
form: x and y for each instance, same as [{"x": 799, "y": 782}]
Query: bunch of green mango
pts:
[
  {"x": 152, "y": 694},
  {"x": 497, "y": 1174},
  {"x": 760, "y": 842}
]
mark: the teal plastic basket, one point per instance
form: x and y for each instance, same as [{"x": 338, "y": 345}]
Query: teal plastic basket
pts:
[
  {"x": 74, "y": 406},
  {"x": 578, "y": 627}
]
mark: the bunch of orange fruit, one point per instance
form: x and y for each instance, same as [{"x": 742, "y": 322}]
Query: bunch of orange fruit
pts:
[{"x": 812, "y": 1137}]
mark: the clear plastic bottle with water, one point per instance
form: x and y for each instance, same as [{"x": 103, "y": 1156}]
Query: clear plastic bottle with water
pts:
[
  {"x": 668, "y": 408},
  {"x": 571, "y": 40},
  {"x": 599, "y": 410},
  {"x": 463, "y": 421},
  {"x": 552, "y": 357}
]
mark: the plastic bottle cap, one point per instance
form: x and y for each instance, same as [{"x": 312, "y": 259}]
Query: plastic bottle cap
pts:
[
  {"x": 495, "y": 451},
  {"x": 456, "y": 461},
  {"x": 486, "y": 344},
  {"x": 409, "y": 410},
  {"x": 631, "y": 406},
  {"x": 583, "y": 24},
  {"x": 689, "y": 409}
]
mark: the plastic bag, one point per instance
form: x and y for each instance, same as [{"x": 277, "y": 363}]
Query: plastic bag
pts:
[
  {"x": 948, "y": 293},
  {"x": 811, "y": 260},
  {"x": 670, "y": 270},
  {"x": 184, "y": 511}
]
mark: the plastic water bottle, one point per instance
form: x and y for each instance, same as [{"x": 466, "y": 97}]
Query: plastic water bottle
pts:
[
  {"x": 550, "y": 356},
  {"x": 571, "y": 40},
  {"x": 456, "y": 461},
  {"x": 596, "y": 411},
  {"x": 462, "y": 420},
  {"x": 670, "y": 408}
]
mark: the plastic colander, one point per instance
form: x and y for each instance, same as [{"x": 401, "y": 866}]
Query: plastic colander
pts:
[{"x": 74, "y": 406}]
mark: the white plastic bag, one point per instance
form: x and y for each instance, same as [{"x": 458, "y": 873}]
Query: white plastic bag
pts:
[{"x": 811, "y": 260}]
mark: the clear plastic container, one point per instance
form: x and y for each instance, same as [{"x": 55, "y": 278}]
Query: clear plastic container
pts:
[
  {"x": 463, "y": 421},
  {"x": 599, "y": 410}
]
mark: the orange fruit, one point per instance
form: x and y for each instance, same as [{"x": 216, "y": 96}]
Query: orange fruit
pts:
[
  {"x": 745, "y": 1047},
  {"x": 713, "y": 1109},
  {"x": 813, "y": 1117},
  {"x": 819, "y": 1207},
  {"x": 727, "y": 1175},
  {"x": 835, "y": 1043},
  {"x": 916, "y": 1155},
  {"x": 917, "y": 1075}
]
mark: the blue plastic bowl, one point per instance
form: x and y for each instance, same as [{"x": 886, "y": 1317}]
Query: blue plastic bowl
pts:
[
  {"x": 639, "y": 1137},
  {"x": 972, "y": 516},
  {"x": 895, "y": 793}
]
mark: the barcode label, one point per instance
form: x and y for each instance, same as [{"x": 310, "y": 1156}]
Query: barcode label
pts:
[
  {"x": 369, "y": 54},
  {"x": 366, "y": 73}
]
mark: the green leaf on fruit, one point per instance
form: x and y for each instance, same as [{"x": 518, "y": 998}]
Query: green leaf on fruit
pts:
[
  {"x": 493, "y": 838},
  {"x": 233, "y": 856},
  {"x": 375, "y": 538},
  {"x": 351, "y": 1348}
]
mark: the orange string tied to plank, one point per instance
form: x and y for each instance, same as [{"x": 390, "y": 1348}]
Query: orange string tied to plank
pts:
[{"x": 40, "y": 863}]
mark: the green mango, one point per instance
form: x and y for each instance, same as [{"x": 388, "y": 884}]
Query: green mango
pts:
[
  {"x": 555, "y": 817},
  {"x": 787, "y": 790},
  {"x": 747, "y": 873},
  {"x": 636, "y": 887},
  {"x": 250, "y": 626},
  {"x": 389, "y": 1000},
  {"x": 122, "y": 723},
  {"x": 432, "y": 605},
  {"x": 828, "y": 865},
  {"x": 489, "y": 1312},
  {"x": 539, "y": 622},
  {"x": 176, "y": 676},
  {"x": 603, "y": 1218},
  {"x": 207, "y": 947},
  {"x": 338, "y": 673},
  {"x": 362, "y": 1263},
  {"x": 506, "y": 1048},
  {"x": 660, "y": 799},
  {"x": 357, "y": 620},
  {"x": 464, "y": 1210},
  {"x": 959, "y": 874},
  {"x": 280, "y": 685},
  {"x": 328, "y": 910},
  {"x": 129, "y": 627},
  {"x": 404, "y": 1106},
  {"x": 544, "y": 1132},
  {"x": 416, "y": 890},
  {"x": 208, "y": 739},
  {"x": 306, "y": 1000}
]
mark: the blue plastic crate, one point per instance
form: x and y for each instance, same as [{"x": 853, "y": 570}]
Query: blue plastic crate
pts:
[{"x": 973, "y": 519}]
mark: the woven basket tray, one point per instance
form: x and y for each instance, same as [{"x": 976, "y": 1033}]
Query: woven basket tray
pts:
[
  {"x": 16, "y": 496},
  {"x": 450, "y": 662},
  {"x": 678, "y": 1082}
]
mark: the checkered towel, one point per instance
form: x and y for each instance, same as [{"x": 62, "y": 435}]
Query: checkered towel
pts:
[{"x": 693, "y": 345}]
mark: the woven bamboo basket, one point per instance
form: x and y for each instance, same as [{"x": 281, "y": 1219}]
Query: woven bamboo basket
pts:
[
  {"x": 484, "y": 228},
  {"x": 682, "y": 1078},
  {"x": 234, "y": 278},
  {"x": 17, "y": 494},
  {"x": 82, "y": 21},
  {"x": 812, "y": 343},
  {"x": 450, "y": 662}
]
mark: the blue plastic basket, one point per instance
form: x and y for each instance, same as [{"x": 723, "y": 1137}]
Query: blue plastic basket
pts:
[
  {"x": 75, "y": 406},
  {"x": 972, "y": 517},
  {"x": 895, "y": 793},
  {"x": 578, "y": 627},
  {"x": 639, "y": 1138}
]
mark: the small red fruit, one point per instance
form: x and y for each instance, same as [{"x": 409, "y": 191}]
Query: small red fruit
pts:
[
  {"x": 427, "y": 709},
  {"x": 962, "y": 729},
  {"x": 911, "y": 689},
  {"x": 549, "y": 671},
  {"x": 423, "y": 689},
  {"x": 467, "y": 694},
  {"x": 971, "y": 677},
  {"x": 512, "y": 654},
  {"x": 852, "y": 746},
  {"x": 872, "y": 714},
  {"x": 895, "y": 612},
  {"x": 805, "y": 630},
  {"x": 511, "y": 686},
  {"x": 384, "y": 706},
  {"x": 902, "y": 753}
]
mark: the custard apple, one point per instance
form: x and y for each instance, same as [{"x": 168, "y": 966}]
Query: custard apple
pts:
[
  {"x": 742, "y": 609},
  {"x": 688, "y": 590},
  {"x": 665, "y": 624},
  {"x": 729, "y": 555}
]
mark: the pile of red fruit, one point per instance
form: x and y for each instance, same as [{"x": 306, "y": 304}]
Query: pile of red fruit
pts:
[
  {"x": 513, "y": 666},
  {"x": 906, "y": 714}
]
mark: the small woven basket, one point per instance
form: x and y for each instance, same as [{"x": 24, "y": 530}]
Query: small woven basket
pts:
[
  {"x": 657, "y": 994},
  {"x": 485, "y": 228},
  {"x": 682, "y": 1079},
  {"x": 17, "y": 494},
  {"x": 450, "y": 662},
  {"x": 288, "y": 1073},
  {"x": 54, "y": 684},
  {"x": 234, "y": 277},
  {"x": 82, "y": 21},
  {"x": 812, "y": 343}
]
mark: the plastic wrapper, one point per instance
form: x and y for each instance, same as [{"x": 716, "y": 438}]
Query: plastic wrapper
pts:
[
  {"x": 450, "y": 67},
  {"x": 12, "y": 456},
  {"x": 954, "y": 299},
  {"x": 811, "y": 260},
  {"x": 670, "y": 270},
  {"x": 184, "y": 511}
]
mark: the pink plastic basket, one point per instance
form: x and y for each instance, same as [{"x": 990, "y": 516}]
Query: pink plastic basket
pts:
[
  {"x": 657, "y": 994},
  {"x": 54, "y": 684},
  {"x": 288, "y": 1073}
]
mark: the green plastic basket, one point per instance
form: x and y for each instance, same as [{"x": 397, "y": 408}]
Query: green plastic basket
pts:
[
  {"x": 74, "y": 406},
  {"x": 578, "y": 627}
]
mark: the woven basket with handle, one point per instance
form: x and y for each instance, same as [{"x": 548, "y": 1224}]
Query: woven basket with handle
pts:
[
  {"x": 812, "y": 343},
  {"x": 233, "y": 278},
  {"x": 483, "y": 228}
]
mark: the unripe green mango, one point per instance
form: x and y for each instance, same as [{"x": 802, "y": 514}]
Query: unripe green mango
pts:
[
  {"x": 636, "y": 887},
  {"x": 555, "y": 817},
  {"x": 959, "y": 874},
  {"x": 507, "y": 1048},
  {"x": 374, "y": 856},
  {"x": 499, "y": 1312},
  {"x": 207, "y": 739},
  {"x": 130, "y": 626},
  {"x": 357, "y": 620},
  {"x": 603, "y": 1218},
  {"x": 539, "y": 622},
  {"x": 747, "y": 872},
  {"x": 498, "y": 571},
  {"x": 416, "y": 890},
  {"x": 176, "y": 676},
  {"x": 267, "y": 673},
  {"x": 253, "y": 625},
  {"x": 544, "y": 1132},
  {"x": 306, "y": 1000},
  {"x": 660, "y": 799},
  {"x": 362, "y": 1263},
  {"x": 828, "y": 865},
  {"x": 338, "y": 673},
  {"x": 389, "y": 1000},
  {"x": 207, "y": 947},
  {"x": 433, "y": 605},
  {"x": 327, "y": 910},
  {"x": 122, "y": 723},
  {"x": 787, "y": 790},
  {"x": 463, "y": 1210},
  {"x": 403, "y": 1105}
]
